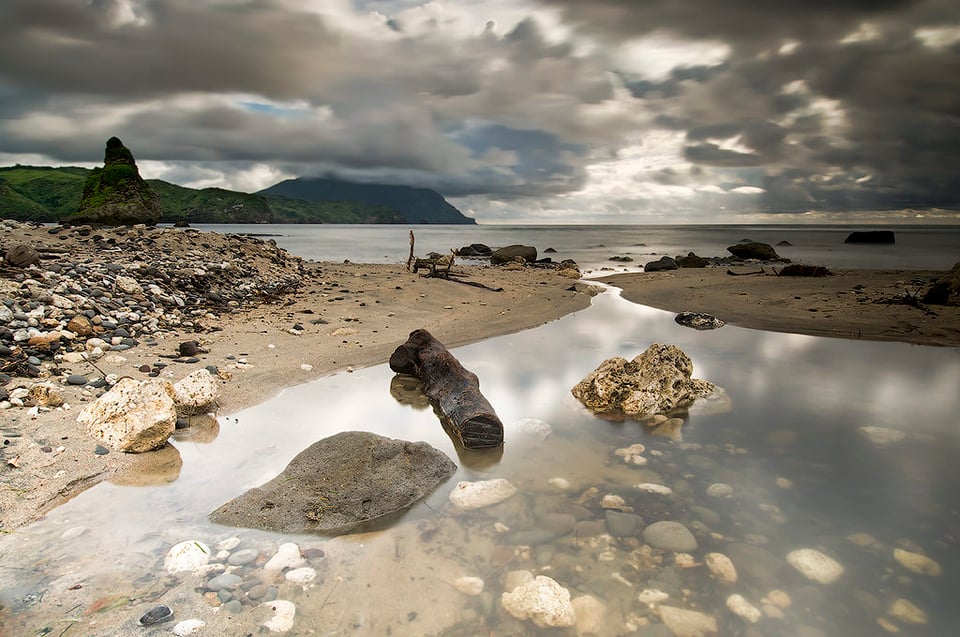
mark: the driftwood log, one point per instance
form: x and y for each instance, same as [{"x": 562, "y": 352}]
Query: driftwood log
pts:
[{"x": 453, "y": 390}]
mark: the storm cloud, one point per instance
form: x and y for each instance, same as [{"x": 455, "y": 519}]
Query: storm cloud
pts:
[{"x": 549, "y": 109}]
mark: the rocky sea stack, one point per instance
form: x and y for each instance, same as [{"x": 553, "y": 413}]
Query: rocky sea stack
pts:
[{"x": 116, "y": 195}]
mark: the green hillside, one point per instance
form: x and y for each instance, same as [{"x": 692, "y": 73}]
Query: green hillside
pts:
[{"x": 39, "y": 193}]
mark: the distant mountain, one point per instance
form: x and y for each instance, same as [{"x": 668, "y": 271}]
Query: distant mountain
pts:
[
  {"x": 415, "y": 205},
  {"x": 40, "y": 193}
]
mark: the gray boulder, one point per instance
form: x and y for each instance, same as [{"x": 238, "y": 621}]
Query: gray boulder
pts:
[
  {"x": 511, "y": 253},
  {"x": 661, "y": 265},
  {"x": 341, "y": 484},
  {"x": 754, "y": 250}
]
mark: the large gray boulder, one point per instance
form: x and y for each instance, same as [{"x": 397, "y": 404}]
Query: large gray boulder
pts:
[
  {"x": 116, "y": 195},
  {"x": 512, "y": 253},
  {"x": 657, "y": 381},
  {"x": 341, "y": 484},
  {"x": 754, "y": 250}
]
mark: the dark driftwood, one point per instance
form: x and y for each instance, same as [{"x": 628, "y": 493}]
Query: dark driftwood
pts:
[{"x": 453, "y": 390}]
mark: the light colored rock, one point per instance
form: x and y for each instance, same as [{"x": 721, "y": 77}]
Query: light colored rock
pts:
[
  {"x": 196, "y": 393},
  {"x": 614, "y": 502},
  {"x": 189, "y": 627},
  {"x": 907, "y": 612},
  {"x": 559, "y": 483},
  {"x": 814, "y": 565},
  {"x": 719, "y": 490},
  {"x": 283, "y": 614},
  {"x": 287, "y": 556},
  {"x": 468, "y": 496},
  {"x": 591, "y": 613},
  {"x": 670, "y": 536},
  {"x": 46, "y": 395},
  {"x": 134, "y": 416},
  {"x": 469, "y": 585},
  {"x": 533, "y": 427},
  {"x": 917, "y": 563},
  {"x": 633, "y": 454},
  {"x": 779, "y": 598},
  {"x": 688, "y": 623},
  {"x": 653, "y": 487},
  {"x": 188, "y": 556},
  {"x": 651, "y": 596},
  {"x": 302, "y": 576},
  {"x": 128, "y": 285},
  {"x": 881, "y": 436},
  {"x": 543, "y": 601},
  {"x": 721, "y": 567},
  {"x": 740, "y": 607},
  {"x": 656, "y": 381}
]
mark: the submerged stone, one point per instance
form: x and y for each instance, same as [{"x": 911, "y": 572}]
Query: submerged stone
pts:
[{"x": 815, "y": 565}]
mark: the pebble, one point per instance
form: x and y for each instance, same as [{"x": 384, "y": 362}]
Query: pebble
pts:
[
  {"x": 468, "y": 496},
  {"x": 225, "y": 581},
  {"x": 287, "y": 556},
  {"x": 469, "y": 585},
  {"x": 815, "y": 566},
  {"x": 189, "y": 627},
  {"x": 721, "y": 567},
  {"x": 302, "y": 576},
  {"x": 243, "y": 557},
  {"x": 670, "y": 536},
  {"x": 740, "y": 607},
  {"x": 917, "y": 562},
  {"x": 190, "y": 555},
  {"x": 719, "y": 490},
  {"x": 651, "y": 596},
  {"x": 652, "y": 487},
  {"x": 76, "y": 379},
  {"x": 688, "y": 623},
  {"x": 283, "y": 614},
  {"x": 907, "y": 612}
]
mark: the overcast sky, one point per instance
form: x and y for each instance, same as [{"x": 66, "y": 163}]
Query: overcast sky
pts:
[{"x": 534, "y": 111}]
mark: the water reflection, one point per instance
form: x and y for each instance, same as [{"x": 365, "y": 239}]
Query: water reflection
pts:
[{"x": 801, "y": 471}]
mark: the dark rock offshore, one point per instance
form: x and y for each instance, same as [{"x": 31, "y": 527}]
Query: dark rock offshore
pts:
[
  {"x": 116, "y": 195},
  {"x": 871, "y": 236}
]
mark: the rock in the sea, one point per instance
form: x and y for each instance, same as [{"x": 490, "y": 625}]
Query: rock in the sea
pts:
[
  {"x": 662, "y": 264},
  {"x": 814, "y": 565},
  {"x": 134, "y": 416},
  {"x": 688, "y": 623},
  {"x": 740, "y": 607},
  {"x": 670, "y": 536},
  {"x": 698, "y": 320},
  {"x": 188, "y": 556},
  {"x": 754, "y": 250},
  {"x": 907, "y": 612},
  {"x": 512, "y": 253},
  {"x": 657, "y": 381},
  {"x": 116, "y": 194},
  {"x": 477, "y": 495},
  {"x": 917, "y": 562},
  {"x": 21, "y": 256},
  {"x": 196, "y": 393},
  {"x": 721, "y": 567},
  {"x": 542, "y": 601},
  {"x": 283, "y": 613},
  {"x": 871, "y": 236},
  {"x": 340, "y": 484},
  {"x": 691, "y": 260}
]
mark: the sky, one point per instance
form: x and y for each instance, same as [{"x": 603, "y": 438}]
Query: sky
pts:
[{"x": 517, "y": 111}]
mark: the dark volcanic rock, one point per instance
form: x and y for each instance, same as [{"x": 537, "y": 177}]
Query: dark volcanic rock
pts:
[
  {"x": 691, "y": 261},
  {"x": 339, "y": 485},
  {"x": 946, "y": 289},
  {"x": 754, "y": 250},
  {"x": 698, "y": 320},
  {"x": 116, "y": 195},
  {"x": 510, "y": 253},
  {"x": 475, "y": 250},
  {"x": 660, "y": 265},
  {"x": 871, "y": 236}
]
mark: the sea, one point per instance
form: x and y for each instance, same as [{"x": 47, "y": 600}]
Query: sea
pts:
[{"x": 828, "y": 477}]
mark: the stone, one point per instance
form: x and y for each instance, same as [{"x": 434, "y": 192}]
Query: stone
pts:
[
  {"x": 187, "y": 556},
  {"x": 196, "y": 393},
  {"x": 134, "y": 416},
  {"x": 653, "y": 487},
  {"x": 116, "y": 194},
  {"x": 620, "y": 524},
  {"x": 754, "y": 250},
  {"x": 688, "y": 623},
  {"x": 80, "y": 325},
  {"x": 128, "y": 285},
  {"x": 543, "y": 601},
  {"x": 591, "y": 615},
  {"x": 719, "y": 490},
  {"x": 662, "y": 264},
  {"x": 871, "y": 236},
  {"x": 283, "y": 614},
  {"x": 341, "y": 484},
  {"x": 302, "y": 576},
  {"x": 691, "y": 260},
  {"x": 651, "y": 596},
  {"x": 189, "y": 627},
  {"x": 907, "y": 612},
  {"x": 721, "y": 567},
  {"x": 670, "y": 536},
  {"x": 917, "y": 562},
  {"x": 287, "y": 556},
  {"x": 698, "y": 320},
  {"x": 946, "y": 289},
  {"x": 739, "y": 606},
  {"x": 510, "y": 253},
  {"x": 657, "y": 381},
  {"x": 469, "y": 585},
  {"x": 46, "y": 395},
  {"x": 21, "y": 256},
  {"x": 468, "y": 496},
  {"x": 815, "y": 565},
  {"x": 224, "y": 581}
]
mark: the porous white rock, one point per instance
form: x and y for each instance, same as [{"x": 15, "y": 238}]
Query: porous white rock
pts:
[
  {"x": 740, "y": 607},
  {"x": 188, "y": 627},
  {"x": 287, "y": 556},
  {"x": 134, "y": 416},
  {"x": 302, "y": 576},
  {"x": 191, "y": 555},
  {"x": 283, "y": 614},
  {"x": 917, "y": 562},
  {"x": 469, "y": 585},
  {"x": 543, "y": 601},
  {"x": 468, "y": 496},
  {"x": 46, "y": 395},
  {"x": 814, "y": 565},
  {"x": 196, "y": 393},
  {"x": 721, "y": 567},
  {"x": 688, "y": 623}
]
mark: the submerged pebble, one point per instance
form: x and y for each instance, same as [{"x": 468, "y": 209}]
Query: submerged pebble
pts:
[
  {"x": 740, "y": 607},
  {"x": 283, "y": 613},
  {"x": 814, "y": 565},
  {"x": 917, "y": 562},
  {"x": 189, "y": 627}
]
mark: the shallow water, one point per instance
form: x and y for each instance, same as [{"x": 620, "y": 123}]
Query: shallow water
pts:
[{"x": 803, "y": 474}]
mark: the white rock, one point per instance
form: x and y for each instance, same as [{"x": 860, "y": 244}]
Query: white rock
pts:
[
  {"x": 779, "y": 598},
  {"x": 882, "y": 436},
  {"x": 188, "y": 627},
  {"x": 653, "y": 487},
  {"x": 688, "y": 623},
  {"x": 917, "y": 563},
  {"x": 287, "y": 556},
  {"x": 651, "y": 596},
  {"x": 302, "y": 576},
  {"x": 468, "y": 496},
  {"x": 196, "y": 393},
  {"x": 615, "y": 502},
  {"x": 542, "y": 601},
  {"x": 306, "y": 367},
  {"x": 814, "y": 565},
  {"x": 907, "y": 612},
  {"x": 632, "y": 454},
  {"x": 228, "y": 544},
  {"x": 128, "y": 285},
  {"x": 469, "y": 585},
  {"x": 533, "y": 427},
  {"x": 133, "y": 416},
  {"x": 190, "y": 555},
  {"x": 283, "y": 614},
  {"x": 591, "y": 614},
  {"x": 740, "y": 607},
  {"x": 721, "y": 567},
  {"x": 559, "y": 483},
  {"x": 719, "y": 490}
]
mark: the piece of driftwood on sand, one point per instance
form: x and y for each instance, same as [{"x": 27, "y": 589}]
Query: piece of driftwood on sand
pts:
[{"x": 453, "y": 390}]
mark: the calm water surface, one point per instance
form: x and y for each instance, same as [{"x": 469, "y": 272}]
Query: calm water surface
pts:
[{"x": 803, "y": 474}]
